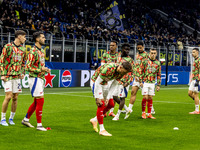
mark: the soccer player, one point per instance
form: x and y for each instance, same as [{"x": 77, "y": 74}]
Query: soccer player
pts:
[
  {"x": 36, "y": 67},
  {"x": 140, "y": 57},
  {"x": 150, "y": 68},
  {"x": 193, "y": 91},
  {"x": 12, "y": 61},
  {"x": 104, "y": 101},
  {"x": 111, "y": 57},
  {"x": 123, "y": 86}
]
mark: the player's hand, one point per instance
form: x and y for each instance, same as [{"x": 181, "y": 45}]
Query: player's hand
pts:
[
  {"x": 106, "y": 79},
  {"x": 22, "y": 76},
  {"x": 196, "y": 83},
  {"x": 98, "y": 102},
  {"x": 141, "y": 85},
  {"x": 125, "y": 84},
  {"x": 157, "y": 88},
  {"x": 3, "y": 78},
  {"x": 45, "y": 69},
  {"x": 106, "y": 102},
  {"x": 48, "y": 70},
  {"x": 136, "y": 79}
]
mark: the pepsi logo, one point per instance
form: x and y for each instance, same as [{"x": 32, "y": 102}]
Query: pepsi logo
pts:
[{"x": 66, "y": 78}]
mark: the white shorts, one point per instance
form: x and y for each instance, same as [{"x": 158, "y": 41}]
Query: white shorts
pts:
[
  {"x": 123, "y": 91},
  {"x": 194, "y": 88},
  {"x": 101, "y": 94},
  {"x": 13, "y": 86},
  {"x": 36, "y": 87},
  {"x": 148, "y": 89},
  {"x": 135, "y": 83},
  {"x": 117, "y": 90}
]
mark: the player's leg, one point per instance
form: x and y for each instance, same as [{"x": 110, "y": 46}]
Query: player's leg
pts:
[
  {"x": 196, "y": 101},
  {"x": 38, "y": 112},
  {"x": 132, "y": 100},
  {"x": 29, "y": 113},
  {"x": 121, "y": 106},
  {"x": 133, "y": 96},
  {"x": 191, "y": 89},
  {"x": 38, "y": 94},
  {"x": 17, "y": 88},
  {"x": 144, "y": 100},
  {"x": 13, "y": 108},
  {"x": 145, "y": 91},
  {"x": 151, "y": 93},
  {"x": 149, "y": 105},
  {"x": 8, "y": 96},
  {"x": 191, "y": 94},
  {"x": 194, "y": 93},
  {"x": 93, "y": 121},
  {"x": 109, "y": 106},
  {"x": 32, "y": 107},
  {"x": 116, "y": 99}
]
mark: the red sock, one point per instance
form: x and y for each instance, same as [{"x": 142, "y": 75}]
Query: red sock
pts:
[
  {"x": 143, "y": 104},
  {"x": 31, "y": 109},
  {"x": 150, "y": 102},
  {"x": 110, "y": 105},
  {"x": 100, "y": 113},
  {"x": 39, "y": 106}
]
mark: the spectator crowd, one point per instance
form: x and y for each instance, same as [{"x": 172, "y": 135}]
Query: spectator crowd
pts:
[{"x": 77, "y": 19}]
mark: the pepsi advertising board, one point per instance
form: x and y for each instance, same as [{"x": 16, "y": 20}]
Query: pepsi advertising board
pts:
[{"x": 69, "y": 78}]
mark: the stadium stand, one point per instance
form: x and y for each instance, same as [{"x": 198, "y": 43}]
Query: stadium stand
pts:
[{"x": 76, "y": 19}]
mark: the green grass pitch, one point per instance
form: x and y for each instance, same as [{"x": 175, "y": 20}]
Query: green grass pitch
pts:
[{"x": 68, "y": 111}]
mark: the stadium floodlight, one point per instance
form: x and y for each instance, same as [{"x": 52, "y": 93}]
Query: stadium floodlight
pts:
[{"x": 162, "y": 59}]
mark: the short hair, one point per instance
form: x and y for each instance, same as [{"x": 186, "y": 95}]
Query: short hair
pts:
[
  {"x": 196, "y": 49},
  {"x": 125, "y": 45},
  {"x": 126, "y": 65},
  {"x": 19, "y": 32},
  {"x": 153, "y": 49},
  {"x": 114, "y": 41},
  {"x": 140, "y": 43},
  {"x": 37, "y": 35}
]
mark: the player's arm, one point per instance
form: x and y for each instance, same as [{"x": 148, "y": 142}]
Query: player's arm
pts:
[
  {"x": 142, "y": 68},
  {"x": 103, "y": 59},
  {"x": 132, "y": 74},
  {"x": 29, "y": 64},
  {"x": 158, "y": 78},
  {"x": 199, "y": 70},
  {"x": 3, "y": 57},
  {"x": 24, "y": 58}
]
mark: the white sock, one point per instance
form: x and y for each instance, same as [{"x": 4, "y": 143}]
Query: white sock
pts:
[
  {"x": 196, "y": 107},
  {"x": 39, "y": 124},
  {"x": 12, "y": 114},
  {"x": 125, "y": 107},
  {"x": 119, "y": 112},
  {"x": 26, "y": 119},
  {"x": 130, "y": 106},
  {"x": 101, "y": 127},
  {"x": 112, "y": 109},
  {"x": 95, "y": 118},
  {"x": 152, "y": 109},
  {"x": 3, "y": 116}
]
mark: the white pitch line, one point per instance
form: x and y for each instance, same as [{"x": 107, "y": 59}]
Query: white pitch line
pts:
[{"x": 128, "y": 99}]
